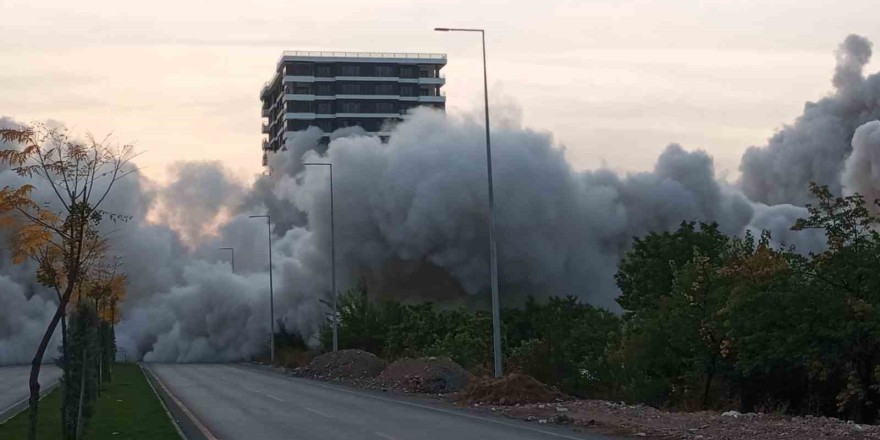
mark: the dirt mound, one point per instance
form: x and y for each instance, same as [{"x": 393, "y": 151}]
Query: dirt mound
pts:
[
  {"x": 425, "y": 375},
  {"x": 510, "y": 390},
  {"x": 344, "y": 364}
]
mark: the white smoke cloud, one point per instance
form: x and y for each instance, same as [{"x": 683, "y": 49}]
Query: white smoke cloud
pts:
[
  {"x": 816, "y": 145},
  {"x": 862, "y": 170},
  {"x": 411, "y": 219}
]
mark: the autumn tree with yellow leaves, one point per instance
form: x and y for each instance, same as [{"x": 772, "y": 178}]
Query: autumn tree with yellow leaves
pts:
[{"x": 60, "y": 228}]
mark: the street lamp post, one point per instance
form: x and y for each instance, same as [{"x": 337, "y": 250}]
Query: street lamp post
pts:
[
  {"x": 332, "y": 256},
  {"x": 493, "y": 262},
  {"x": 232, "y": 251},
  {"x": 271, "y": 290}
]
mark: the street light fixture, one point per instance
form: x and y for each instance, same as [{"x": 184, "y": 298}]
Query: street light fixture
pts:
[
  {"x": 332, "y": 256},
  {"x": 271, "y": 290},
  {"x": 493, "y": 261},
  {"x": 232, "y": 251}
]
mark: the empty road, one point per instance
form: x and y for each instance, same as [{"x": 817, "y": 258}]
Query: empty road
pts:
[
  {"x": 235, "y": 402},
  {"x": 14, "y": 388}
]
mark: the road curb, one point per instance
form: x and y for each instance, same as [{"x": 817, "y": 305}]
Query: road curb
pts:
[
  {"x": 22, "y": 405},
  {"x": 188, "y": 426}
]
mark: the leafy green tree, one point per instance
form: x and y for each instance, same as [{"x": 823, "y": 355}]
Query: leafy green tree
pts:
[
  {"x": 773, "y": 323},
  {"x": 464, "y": 338},
  {"x": 363, "y": 323},
  {"x": 846, "y": 278},
  {"x": 671, "y": 295},
  {"x": 562, "y": 342},
  {"x": 647, "y": 272}
]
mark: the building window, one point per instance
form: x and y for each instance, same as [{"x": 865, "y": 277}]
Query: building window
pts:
[
  {"x": 385, "y": 71},
  {"x": 301, "y": 106},
  {"x": 385, "y": 89},
  {"x": 299, "y": 69},
  {"x": 350, "y": 107},
  {"x": 385, "y": 107},
  {"x": 428, "y": 72},
  {"x": 407, "y": 90},
  {"x": 302, "y": 89},
  {"x": 296, "y": 125},
  {"x": 325, "y": 108},
  {"x": 325, "y": 124},
  {"x": 350, "y": 70},
  {"x": 350, "y": 88},
  {"x": 428, "y": 91},
  {"x": 407, "y": 72},
  {"x": 324, "y": 70},
  {"x": 325, "y": 89}
]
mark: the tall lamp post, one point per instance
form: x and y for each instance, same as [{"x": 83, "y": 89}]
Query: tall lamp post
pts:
[
  {"x": 232, "y": 251},
  {"x": 493, "y": 262},
  {"x": 332, "y": 256},
  {"x": 271, "y": 290}
]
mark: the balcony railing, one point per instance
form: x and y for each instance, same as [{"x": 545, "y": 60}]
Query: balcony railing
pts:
[
  {"x": 265, "y": 113},
  {"x": 265, "y": 129},
  {"x": 310, "y": 53}
]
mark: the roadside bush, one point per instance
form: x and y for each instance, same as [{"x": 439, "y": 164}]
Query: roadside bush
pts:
[{"x": 81, "y": 377}]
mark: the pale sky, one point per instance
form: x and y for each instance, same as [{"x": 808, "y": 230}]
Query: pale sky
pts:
[{"x": 615, "y": 81}]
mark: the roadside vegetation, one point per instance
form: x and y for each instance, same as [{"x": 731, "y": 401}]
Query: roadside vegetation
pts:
[
  {"x": 126, "y": 409},
  {"x": 710, "y": 322},
  {"x": 58, "y": 226}
]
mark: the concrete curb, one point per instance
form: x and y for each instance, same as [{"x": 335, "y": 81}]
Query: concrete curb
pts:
[
  {"x": 22, "y": 404},
  {"x": 188, "y": 426}
]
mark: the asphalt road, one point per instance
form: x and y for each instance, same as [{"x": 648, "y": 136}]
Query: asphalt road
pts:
[
  {"x": 14, "y": 385},
  {"x": 235, "y": 402}
]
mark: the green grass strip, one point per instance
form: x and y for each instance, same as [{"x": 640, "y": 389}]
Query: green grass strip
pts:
[
  {"x": 48, "y": 424},
  {"x": 126, "y": 410}
]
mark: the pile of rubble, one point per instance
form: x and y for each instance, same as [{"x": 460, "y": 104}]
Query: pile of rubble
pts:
[
  {"x": 510, "y": 390},
  {"x": 642, "y": 421},
  {"x": 425, "y": 375},
  {"x": 523, "y": 397},
  {"x": 343, "y": 364}
]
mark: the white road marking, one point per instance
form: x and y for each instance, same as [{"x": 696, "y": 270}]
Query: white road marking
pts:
[
  {"x": 204, "y": 430},
  {"x": 318, "y": 412},
  {"x": 251, "y": 389},
  {"x": 273, "y": 397},
  {"x": 385, "y": 436}
]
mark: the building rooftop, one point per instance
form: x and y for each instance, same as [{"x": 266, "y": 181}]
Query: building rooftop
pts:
[{"x": 333, "y": 54}]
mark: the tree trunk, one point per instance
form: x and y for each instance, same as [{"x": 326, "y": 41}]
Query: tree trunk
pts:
[
  {"x": 65, "y": 361},
  {"x": 37, "y": 363},
  {"x": 82, "y": 392},
  {"x": 710, "y": 374}
]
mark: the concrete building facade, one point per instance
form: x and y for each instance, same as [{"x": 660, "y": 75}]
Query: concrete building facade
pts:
[{"x": 332, "y": 90}]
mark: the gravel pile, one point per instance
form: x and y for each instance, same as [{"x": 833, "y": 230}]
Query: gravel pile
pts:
[
  {"x": 645, "y": 422},
  {"x": 425, "y": 375},
  {"x": 343, "y": 364},
  {"x": 510, "y": 390}
]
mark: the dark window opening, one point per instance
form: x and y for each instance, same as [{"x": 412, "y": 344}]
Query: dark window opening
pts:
[
  {"x": 324, "y": 70},
  {"x": 385, "y": 89},
  {"x": 350, "y": 70},
  {"x": 350, "y": 88},
  {"x": 325, "y": 89},
  {"x": 299, "y": 69},
  {"x": 325, "y": 108}
]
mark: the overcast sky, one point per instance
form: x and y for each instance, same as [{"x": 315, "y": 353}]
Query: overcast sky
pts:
[{"x": 615, "y": 81}]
